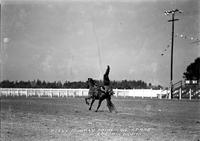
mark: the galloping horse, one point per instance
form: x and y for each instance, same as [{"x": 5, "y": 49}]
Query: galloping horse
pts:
[{"x": 96, "y": 93}]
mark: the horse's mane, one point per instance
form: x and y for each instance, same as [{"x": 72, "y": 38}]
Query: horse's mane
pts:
[{"x": 91, "y": 81}]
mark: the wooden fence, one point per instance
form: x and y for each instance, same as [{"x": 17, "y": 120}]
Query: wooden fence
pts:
[{"x": 30, "y": 92}]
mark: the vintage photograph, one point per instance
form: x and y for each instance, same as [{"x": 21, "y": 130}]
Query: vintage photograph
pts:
[{"x": 100, "y": 70}]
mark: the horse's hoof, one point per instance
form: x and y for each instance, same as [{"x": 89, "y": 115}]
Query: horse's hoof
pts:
[
  {"x": 96, "y": 111},
  {"x": 87, "y": 102},
  {"x": 89, "y": 108}
]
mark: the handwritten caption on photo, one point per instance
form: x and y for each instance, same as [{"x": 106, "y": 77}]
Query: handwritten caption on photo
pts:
[{"x": 103, "y": 131}]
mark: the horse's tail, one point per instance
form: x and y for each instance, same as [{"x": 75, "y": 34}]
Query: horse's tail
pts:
[{"x": 111, "y": 106}]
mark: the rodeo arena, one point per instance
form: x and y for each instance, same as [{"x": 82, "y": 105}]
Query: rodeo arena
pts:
[
  {"x": 98, "y": 112},
  {"x": 181, "y": 90},
  {"x": 134, "y": 114}
]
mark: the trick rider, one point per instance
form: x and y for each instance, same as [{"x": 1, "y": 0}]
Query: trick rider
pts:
[{"x": 106, "y": 81}]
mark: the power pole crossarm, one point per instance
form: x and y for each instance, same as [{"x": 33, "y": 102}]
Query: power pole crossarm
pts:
[{"x": 173, "y": 20}]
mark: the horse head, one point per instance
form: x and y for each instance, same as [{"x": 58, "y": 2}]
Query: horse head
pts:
[{"x": 91, "y": 82}]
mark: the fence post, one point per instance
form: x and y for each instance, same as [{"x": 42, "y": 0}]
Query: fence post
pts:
[
  {"x": 18, "y": 92},
  {"x": 82, "y": 92},
  {"x": 169, "y": 95},
  {"x": 160, "y": 96},
  {"x": 74, "y": 93},
  {"x": 67, "y": 92},
  {"x": 180, "y": 93},
  {"x": 25, "y": 93},
  {"x": 190, "y": 94},
  {"x": 37, "y": 92},
  {"x": 116, "y": 92},
  {"x": 6, "y": 92},
  {"x": 51, "y": 93}
]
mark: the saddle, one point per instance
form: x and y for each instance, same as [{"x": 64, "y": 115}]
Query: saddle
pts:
[{"x": 109, "y": 91}]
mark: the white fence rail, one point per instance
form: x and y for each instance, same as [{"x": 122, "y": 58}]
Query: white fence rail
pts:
[{"x": 79, "y": 92}]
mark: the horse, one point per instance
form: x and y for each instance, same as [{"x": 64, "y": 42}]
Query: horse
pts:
[{"x": 97, "y": 92}]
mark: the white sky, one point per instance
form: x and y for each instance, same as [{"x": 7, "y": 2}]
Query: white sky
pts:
[{"x": 73, "y": 40}]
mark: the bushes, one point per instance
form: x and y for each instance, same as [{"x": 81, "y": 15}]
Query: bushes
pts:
[{"x": 124, "y": 84}]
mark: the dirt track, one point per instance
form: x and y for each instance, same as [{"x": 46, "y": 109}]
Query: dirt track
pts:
[{"x": 69, "y": 119}]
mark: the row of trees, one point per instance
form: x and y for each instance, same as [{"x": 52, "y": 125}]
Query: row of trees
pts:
[
  {"x": 124, "y": 84},
  {"x": 193, "y": 70},
  {"x": 192, "y": 73}
]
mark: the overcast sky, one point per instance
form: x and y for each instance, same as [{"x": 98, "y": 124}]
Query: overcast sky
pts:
[{"x": 76, "y": 39}]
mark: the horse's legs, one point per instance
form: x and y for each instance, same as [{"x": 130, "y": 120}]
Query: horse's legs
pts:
[
  {"x": 87, "y": 99},
  {"x": 91, "y": 104},
  {"x": 110, "y": 105},
  {"x": 100, "y": 100}
]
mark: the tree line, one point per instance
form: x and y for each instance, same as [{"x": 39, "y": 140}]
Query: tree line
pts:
[
  {"x": 192, "y": 73},
  {"x": 124, "y": 84}
]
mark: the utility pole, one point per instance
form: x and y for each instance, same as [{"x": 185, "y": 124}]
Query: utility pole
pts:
[{"x": 172, "y": 12}]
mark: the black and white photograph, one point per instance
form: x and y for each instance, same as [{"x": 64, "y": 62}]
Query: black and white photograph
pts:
[{"x": 100, "y": 70}]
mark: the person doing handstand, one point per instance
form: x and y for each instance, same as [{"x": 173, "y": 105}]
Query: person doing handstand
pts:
[
  {"x": 106, "y": 80},
  {"x": 108, "y": 90}
]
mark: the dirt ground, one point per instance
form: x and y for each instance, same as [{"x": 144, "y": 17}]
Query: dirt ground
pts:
[{"x": 69, "y": 119}]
